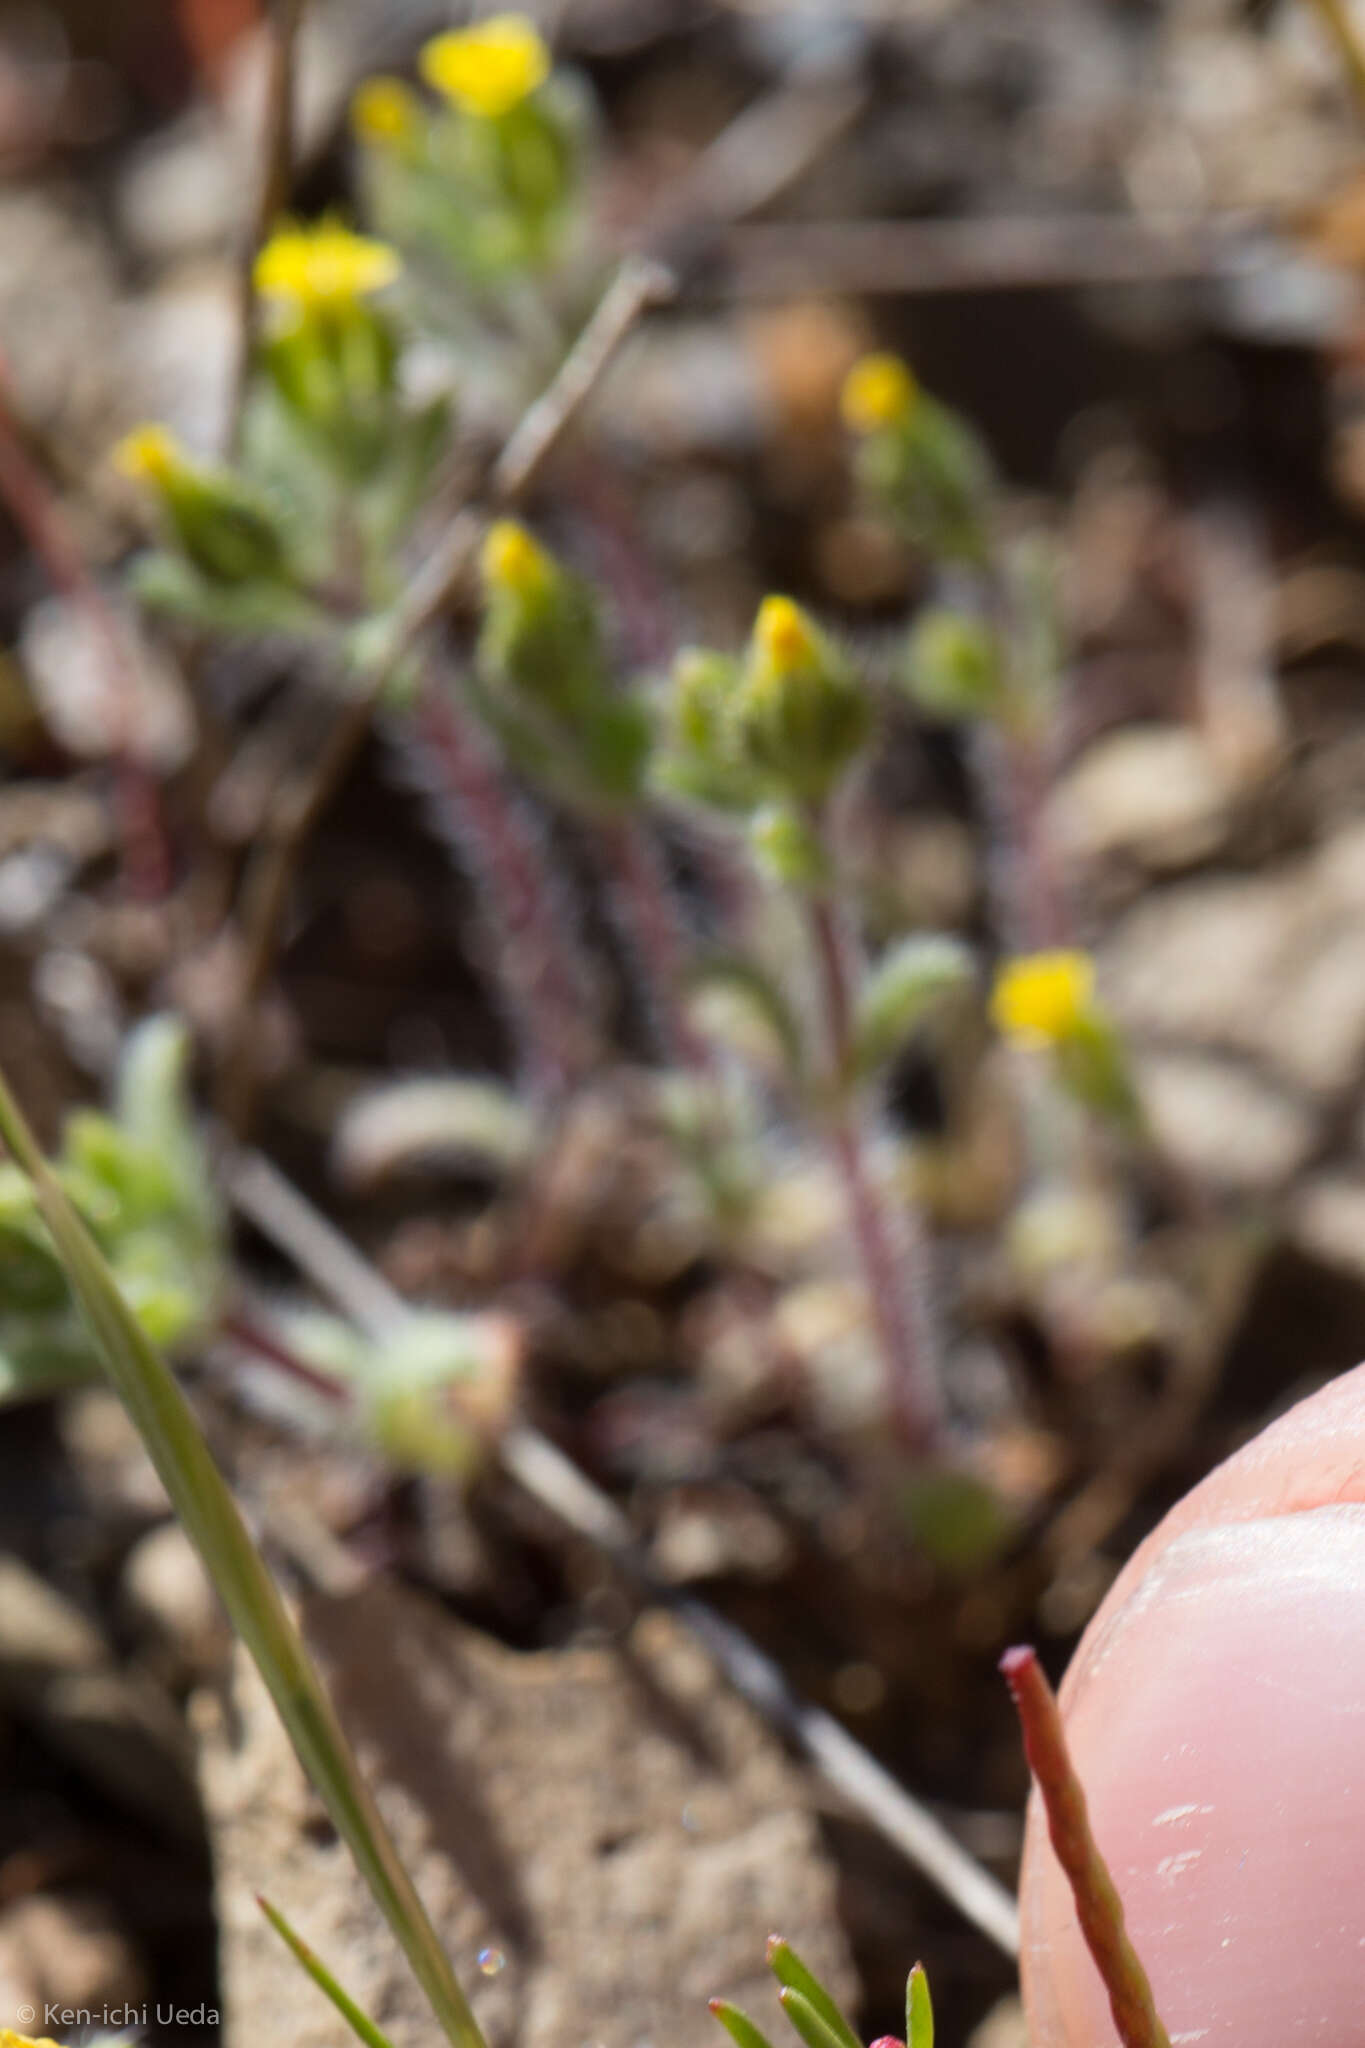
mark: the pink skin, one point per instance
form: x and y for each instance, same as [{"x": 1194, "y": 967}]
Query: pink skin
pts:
[{"x": 1216, "y": 1715}]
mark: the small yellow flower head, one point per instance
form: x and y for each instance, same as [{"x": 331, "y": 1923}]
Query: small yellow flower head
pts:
[
  {"x": 9, "y": 2039},
  {"x": 785, "y": 638},
  {"x": 324, "y": 268},
  {"x": 148, "y": 455},
  {"x": 879, "y": 391},
  {"x": 1042, "y": 997},
  {"x": 489, "y": 68},
  {"x": 385, "y": 113},
  {"x": 513, "y": 561}
]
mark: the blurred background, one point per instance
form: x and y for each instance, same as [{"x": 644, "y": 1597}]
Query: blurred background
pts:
[{"x": 1124, "y": 240}]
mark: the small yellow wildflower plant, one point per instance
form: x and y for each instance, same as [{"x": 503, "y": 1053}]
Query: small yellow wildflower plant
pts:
[
  {"x": 320, "y": 271},
  {"x": 1042, "y": 998},
  {"x": 880, "y": 391},
  {"x": 489, "y": 68},
  {"x": 9, "y": 2039}
]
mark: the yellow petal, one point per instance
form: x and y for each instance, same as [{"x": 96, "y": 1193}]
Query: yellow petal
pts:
[
  {"x": 1042, "y": 997},
  {"x": 785, "y": 637},
  {"x": 513, "y": 560},
  {"x": 149, "y": 454},
  {"x": 489, "y": 68},
  {"x": 879, "y": 391},
  {"x": 323, "y": 266},
  {"x": 385, "y": 111}
]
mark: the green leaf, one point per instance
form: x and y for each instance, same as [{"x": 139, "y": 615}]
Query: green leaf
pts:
[
  {"x": 919, "y": 2012},
  {"x": 214, "y": 1524},
  {"x": 789, "y": 1970},
  {"x": 809, "y": 2023},
  {"x": 909, "y": 981},
  {"x": 952, "y": 665},
  {"x": 753, "y": 1013},
  {"x": 360, "y": 2023},
  {"x": 738, "y": 2025}
]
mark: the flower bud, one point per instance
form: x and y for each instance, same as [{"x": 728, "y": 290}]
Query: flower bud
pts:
[
  {"x": 220, "y": 525},
  {"x": 800, "y": 712},
  {"x": 917, "y": 460}
]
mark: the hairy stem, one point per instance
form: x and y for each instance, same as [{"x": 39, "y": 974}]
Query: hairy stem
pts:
[
  {"x": 544, "y": 981},
  {"x": 894, "y": 1286},
  {"x": 1098, "y": 1906},
  {"x": 647, "y": 916}
]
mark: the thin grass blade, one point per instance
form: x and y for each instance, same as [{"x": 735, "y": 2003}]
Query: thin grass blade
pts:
[
  {"x": 360, "y": 2023},
  {"x": 214, "y": 1524}
]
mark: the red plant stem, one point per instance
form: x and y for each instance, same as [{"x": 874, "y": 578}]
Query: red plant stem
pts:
[
  {"x": 243, "y": 1329},
  {"x": 542, "y": 980},
  {"x": 1027, "y": 898},
  {"x": 648, "y": 916},
  {"x": 39, "y": 516},
  {"x": 1098, "y": 1906},
  {"x": 893, "y": 1286}
]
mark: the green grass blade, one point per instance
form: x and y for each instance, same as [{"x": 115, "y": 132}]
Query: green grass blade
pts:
[
  {"x": 789, "y": 1970},
  {"x": 359, "y": 2022},
  {"x": 808, "y": 2021},
  {"x": 738, "y": 2025},
  {"x": 919, "y": 2012},
  {"x": 211, "y": 1518}
]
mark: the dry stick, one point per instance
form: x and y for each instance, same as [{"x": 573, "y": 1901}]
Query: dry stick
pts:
[
  {"x": 38, "y": 512},
  {"x": 1098, "y": 1906},
  {"x": 269, "y": 1201},
  {"x": 775, "y": 260},
  {"x": 272, "y": 192},
  {"x": 638, "y": 284},
  {"x": 890, "y": 1272}
]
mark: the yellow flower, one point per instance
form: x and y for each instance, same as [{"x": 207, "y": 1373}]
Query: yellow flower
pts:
[
  {"x": 879, "y": 391},
  {"x": 512, "y": 560},
  {"x": 785, "y": 638},
  {"x": 489, "y": 68},
  {"x": 323, "y": 268},
  {"x": 150, "y": 454},
  {"x": 9, "y": 2039},
  {"x": 384, "y": 112},
  {"x": 1042, "y": 997}
]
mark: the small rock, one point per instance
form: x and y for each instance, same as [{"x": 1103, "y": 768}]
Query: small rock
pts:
[
  {"x": 1151, "y": 793},
  {"x": 168, "y": 1595},
  {"x": 94, "y": 708},
  {"x": 1326, "y": 1220},
  {"x": 65, "y": 1951},
  {"x": 619, "y": 1827},
  {"x": 187, "y": 189},
  {"x": 111, "y": 1464},
  {"x": 1223, "y": 1126}
]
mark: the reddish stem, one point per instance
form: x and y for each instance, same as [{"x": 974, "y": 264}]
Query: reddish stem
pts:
[
  {"x": 648, "y": 917},
  {"x": 544, "y": 983},
  {"x": 39, "y": 516},
  {"x": 893, "y": 1289},
  {"x": 243, "y": 1329},
  {"x": 1098, "y": 1906}
]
